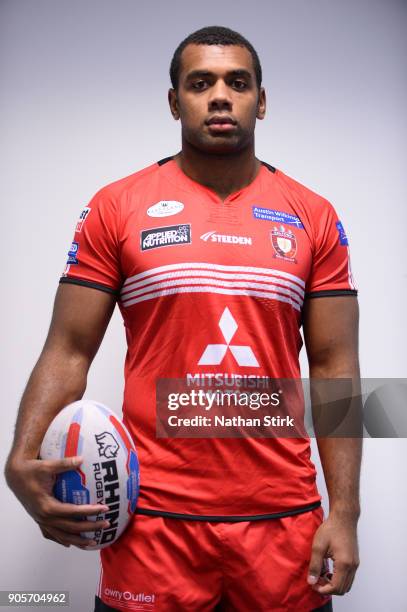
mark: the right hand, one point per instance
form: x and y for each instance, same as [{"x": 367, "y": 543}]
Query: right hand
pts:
[{"x": 32, "y": 482}]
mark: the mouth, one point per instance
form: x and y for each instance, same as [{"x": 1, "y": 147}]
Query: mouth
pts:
[{"x": 221, "y": 123}]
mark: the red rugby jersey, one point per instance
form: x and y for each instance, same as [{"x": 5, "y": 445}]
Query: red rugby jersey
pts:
[{"x": 210, "y": 289}]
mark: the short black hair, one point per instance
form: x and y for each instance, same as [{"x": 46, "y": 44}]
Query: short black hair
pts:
[{"x": 213, "y": 35}]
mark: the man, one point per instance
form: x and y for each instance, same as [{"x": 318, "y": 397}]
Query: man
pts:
[{"x": 214, "y": 258}]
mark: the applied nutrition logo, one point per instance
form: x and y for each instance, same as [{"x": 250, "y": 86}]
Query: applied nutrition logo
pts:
[{"x": 169, "y": 235}]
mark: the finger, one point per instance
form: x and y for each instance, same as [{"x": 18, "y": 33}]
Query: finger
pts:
[
  {"x": 79, "y": 526},
  {"x": 347, "y": 570},
  {"x": 66, "y": 538},
  {"x": 349, "y": 581},
  {"x": 48, "y": 536},
  {"x": 59, "y": 509},
  {"x": 335, "y": 586},
  {"x": 316, "y": 563},
  {"x": 62, "y": 465},
  {"x": 350, "y": 584}
]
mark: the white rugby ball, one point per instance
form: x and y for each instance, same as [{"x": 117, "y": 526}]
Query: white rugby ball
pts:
[{"x": 109, "y": 473}]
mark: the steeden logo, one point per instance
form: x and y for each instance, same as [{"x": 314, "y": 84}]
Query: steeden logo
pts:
[{"x": 226, "y": 238}]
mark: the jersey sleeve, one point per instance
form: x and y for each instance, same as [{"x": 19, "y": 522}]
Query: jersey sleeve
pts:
[
  {"x": 331, "y": 269},
  {"x": 93, "y": 257}
]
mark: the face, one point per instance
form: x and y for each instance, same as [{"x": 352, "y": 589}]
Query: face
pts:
[{"x": 217, "y": 100}]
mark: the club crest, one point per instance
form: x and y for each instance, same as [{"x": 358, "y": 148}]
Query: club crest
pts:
[{"x": 284, "y": 243}]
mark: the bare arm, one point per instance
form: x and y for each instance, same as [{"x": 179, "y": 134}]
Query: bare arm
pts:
[
  {"x": 79, "y": 321},
  {"x": 331, "y": 338}
]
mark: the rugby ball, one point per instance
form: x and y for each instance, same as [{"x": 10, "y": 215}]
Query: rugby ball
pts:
[{"x": 109, "y": 473}]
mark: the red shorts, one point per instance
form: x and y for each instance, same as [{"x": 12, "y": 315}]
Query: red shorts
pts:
[{"x": 172, "y": 565}]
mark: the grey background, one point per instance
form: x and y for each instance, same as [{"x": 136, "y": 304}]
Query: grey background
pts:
[{"x": 83, "y": 102}]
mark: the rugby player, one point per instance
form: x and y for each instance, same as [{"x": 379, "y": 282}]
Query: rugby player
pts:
[{"x": 215, "y": 259}]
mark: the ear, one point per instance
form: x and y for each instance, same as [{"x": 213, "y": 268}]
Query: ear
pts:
[
  {"x": 173, "y": 102},
  {"x": 261, "y": 104}
]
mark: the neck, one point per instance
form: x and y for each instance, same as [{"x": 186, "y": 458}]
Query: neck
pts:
[{"x": 224, "y": 174}]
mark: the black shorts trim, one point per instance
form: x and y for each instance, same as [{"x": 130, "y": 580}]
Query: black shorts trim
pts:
[
  {"x": 271, "y": 168},
  {"x": 100, "y": 606},
  {"x": 331, "y": 293},
  {"x": 85, "y": 283},
  {"x": 209, "y": 518}
]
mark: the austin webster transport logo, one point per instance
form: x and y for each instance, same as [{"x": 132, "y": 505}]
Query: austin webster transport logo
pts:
[
  {"x": 278, "y": 216},
  {"x": 165, "y": 236}
]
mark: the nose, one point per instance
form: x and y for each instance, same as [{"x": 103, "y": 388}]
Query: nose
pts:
[{"x": 219, "y": 98}]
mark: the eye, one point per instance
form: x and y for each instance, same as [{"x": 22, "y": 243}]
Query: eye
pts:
[
  {"x": 199, "y": 84},
  {"x": 239, "y": 84}
]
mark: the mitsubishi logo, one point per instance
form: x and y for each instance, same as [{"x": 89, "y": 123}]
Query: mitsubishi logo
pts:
[{"x": 215, "y": 353}]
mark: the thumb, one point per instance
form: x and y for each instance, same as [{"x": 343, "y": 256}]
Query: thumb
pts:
[
  {"x": 65, "y": 465},
  {"x": 316, "y": 563}
]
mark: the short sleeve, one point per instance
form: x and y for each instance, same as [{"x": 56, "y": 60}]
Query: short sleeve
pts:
[
  {"x": 93, "y": 257},
  {"x": 331, "y": 272}
]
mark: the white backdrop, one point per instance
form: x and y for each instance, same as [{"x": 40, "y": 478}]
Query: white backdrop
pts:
[{"x": 83, "y": 102}]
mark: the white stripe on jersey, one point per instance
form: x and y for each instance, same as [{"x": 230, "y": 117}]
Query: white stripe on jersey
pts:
[
  {"x": 204, "y": 277},
  {"x": 208, "y": 281},
  {"x": 213, "y": 289},
  {"x": 351, "y": 280},
  {"x": 216, "y": 267},
  {"x": 206, "y": 273},
  {"x": 99, "y": 592}
]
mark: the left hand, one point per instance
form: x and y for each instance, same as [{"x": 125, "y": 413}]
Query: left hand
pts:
[{"x": 336, "y": 538}]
